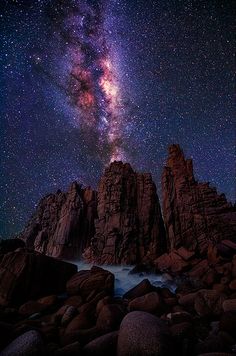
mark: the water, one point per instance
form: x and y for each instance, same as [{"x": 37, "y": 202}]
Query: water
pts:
[{"x": 125, "y": 281}]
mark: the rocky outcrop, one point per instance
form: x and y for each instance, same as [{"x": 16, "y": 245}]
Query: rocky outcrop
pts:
[
  {"x": 129, "y": 228},
  {"x": 63, "y": 223},
  {"x": 194, "y": 213},
  {"x": 25, "y": 275}
]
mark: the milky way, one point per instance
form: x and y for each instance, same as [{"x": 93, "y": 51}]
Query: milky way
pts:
[
  {"x": 87, "y": 82},
  {"x": 92, "y": 80}
]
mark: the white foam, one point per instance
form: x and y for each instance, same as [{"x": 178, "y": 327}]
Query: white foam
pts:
[{"x": 125, "y": 281}]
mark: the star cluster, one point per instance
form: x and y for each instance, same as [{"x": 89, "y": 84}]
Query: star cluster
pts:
[{"x": 87, "y": 82}]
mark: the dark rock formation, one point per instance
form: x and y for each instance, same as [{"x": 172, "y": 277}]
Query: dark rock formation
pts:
[
  {"x": 25, "y": 275},
  {"x": 10, "y": 245},
  {"x": 194, "y": 213},
  {"x": 129, "y": 228},
  {"x": 95, "y": 280},
  {"x": 63, "y": 223}
]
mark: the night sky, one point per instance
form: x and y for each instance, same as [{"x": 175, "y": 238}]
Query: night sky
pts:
[{"x": 86, "y": 82}]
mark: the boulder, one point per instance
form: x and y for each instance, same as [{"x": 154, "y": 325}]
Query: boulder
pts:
[
  {"x": 181, "y": 330},
  {"x": 150, "y": 303},
  {"x": 179, "y": 317},
  {"x": 95, "y": 280},
  {"x": 208, "y": 303},
  {"x": 68, "y": 315},
  {"x": 28, "y": 344},
  {"x": 228, "y": 323},
  {"x": 139, "y": 290},
  {"x": 31, "y": 307},
  {"x": 103, "y": 345},
  {"x": 81, "y": 321},
  {"x": 171, "y": 261},
  {"x": 187, "y": 299},
  {"x": 229, "y": 305},
  {"x": 232, "y": 285},
  {"x": 26, "y": 275},
  {"x": 74, "y": 300},
  {"x": 73, "y": 349},
  {"x": 110, "y": 317},
  {"x": 143, "y": 334}
]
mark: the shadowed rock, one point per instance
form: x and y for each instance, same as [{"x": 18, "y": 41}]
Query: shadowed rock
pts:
[{"x": 194, "y": 213}]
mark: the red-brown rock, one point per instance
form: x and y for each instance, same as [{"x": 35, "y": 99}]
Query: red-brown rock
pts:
[
  {"x": 63, "y": 223},
  {"x": 139, "y": 290},
  {"x": 95, "y": 280},
  {"x": 143, "y": 334},
  {"x": 31, "y": 307},
  {"x": 194, "y": 213},
  {"x": 129, "y": 228},
  {"x": 103, "y": 345},
  {"x": 171, "y": 261},
  {"x": 26, "y": 275},
  {"x": 81, "y": 321},
  {"x": 110, "y": 317},
  {"x": 150, "y": 303},
  {"x": 209, "y": 302},
  {"x": 228, "y": 322}
]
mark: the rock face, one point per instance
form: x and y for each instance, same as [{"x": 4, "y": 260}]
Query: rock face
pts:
[
  {"x": 129, "y": 228},
  {"x": 194, "y": 213},
  {"x": 63, "y": 223},
  {"x": 25, "y": 275}
]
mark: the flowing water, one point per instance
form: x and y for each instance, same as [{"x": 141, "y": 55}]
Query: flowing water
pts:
[{"x": 125, "y": 281}]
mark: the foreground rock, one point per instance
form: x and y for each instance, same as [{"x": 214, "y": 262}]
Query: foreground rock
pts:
[
  {"x": 63, "y": 223},
  {"x": 129, "y": 228},
  {"x": 26, "y": 275},
  {"x": 10, "y": 245},
  {"x": 91, "y": 282},
  {"x": 194, "y": 213},
  {"x": 143, "y": 334},
  {"x": 103, "y": 345},
  {"x": 28, "y": 344}
]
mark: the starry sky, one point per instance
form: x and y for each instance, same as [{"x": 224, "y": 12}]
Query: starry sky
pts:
[{"x": 85, "y": 82}]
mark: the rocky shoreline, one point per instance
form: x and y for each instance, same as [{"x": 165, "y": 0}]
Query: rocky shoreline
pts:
[{"x": 48, "y": 307}]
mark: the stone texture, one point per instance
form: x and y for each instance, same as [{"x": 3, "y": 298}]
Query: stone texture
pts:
[
  {"x": 143, "y": 334},
  {"x": 103, "y": 345},
  {"x": 110, "y": 317},
  {"x": 194, "y": 213},
  {"x": 26, "y": 275},
  {"x": 208, "y": 302},
  {"x": 93, "y": 281},
  {"x": 150, "y": 303},
  {"x": 229, "y": 305},
  {"x": 139, "y": 290},
  {"x": 63, "y": 223},
  {"x": 129, "y": 228},
  {"x": 28, "y": 344}
]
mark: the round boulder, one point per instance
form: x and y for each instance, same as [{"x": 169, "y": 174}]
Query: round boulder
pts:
[
  {"x": 93, "y": 281},
  {"x": 143, "y": 334},
  {"x": 28, "y": 344},
  {"x": 209, "y": 302},
  {"x": 103, "y": 345},
  {"x": 149, "y": 302},
  {"x": 110, "y": 317}
]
